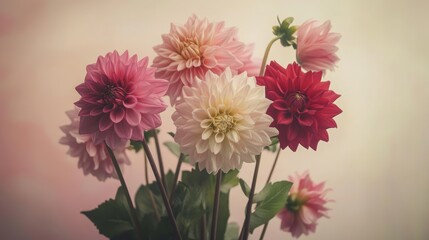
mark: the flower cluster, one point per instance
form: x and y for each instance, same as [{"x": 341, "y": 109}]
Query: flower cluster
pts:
[{"x": 224, "y": 116}]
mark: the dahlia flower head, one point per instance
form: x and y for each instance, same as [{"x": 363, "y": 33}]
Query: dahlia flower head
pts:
[
  {"x": 316, "y": 46},
  {"x": 191, "y": 50},
  {"x": 305, "y": 205},
  {"x": 92, "y": 158},
  {"x": 221, "y": 121},
  {"x": 120, "y": 99},
  {"x": 303, "y": 106}
]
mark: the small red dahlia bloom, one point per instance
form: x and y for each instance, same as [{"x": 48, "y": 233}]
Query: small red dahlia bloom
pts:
[
  {"x": 303, "y": 107},
  {"x": 120, "y": 99}
]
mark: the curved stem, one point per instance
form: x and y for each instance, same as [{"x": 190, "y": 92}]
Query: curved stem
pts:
[
  {"x": 146, "y": 172},
  {"x": 267, "y": 50},
  {"x": 268, "y": 180},
  {"x": 274, "y": 165},
  {"x": 264, "y": 230},
  {"x": 152, "y": 200},
  {"x": 133, "y": 212},
  {"x": 245, "y": 230},
  {"x": 158, "y": 153},
  {"x": 215, "y": 213},
  {"x": 162, "y": 190},
  {"x": 176, "y": 176}
]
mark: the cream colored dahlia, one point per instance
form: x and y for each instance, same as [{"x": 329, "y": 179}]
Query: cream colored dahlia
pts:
[{"x": 222, "y": 122}]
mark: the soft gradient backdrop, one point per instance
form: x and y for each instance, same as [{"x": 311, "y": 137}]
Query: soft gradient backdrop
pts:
[{"x": 376, "y": 161}]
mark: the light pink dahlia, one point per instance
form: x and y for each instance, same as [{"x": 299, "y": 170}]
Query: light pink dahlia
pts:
[
  {"x": 191, "y": 50},
  {"x": 316, "y": 46},
  {"x": 93, "y": 158},
  {"x": 120, "y": 99},
  {"x": 305, "y": 205}
]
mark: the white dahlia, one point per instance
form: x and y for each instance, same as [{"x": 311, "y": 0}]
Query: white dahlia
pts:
[{"x": 222, "y": 122}]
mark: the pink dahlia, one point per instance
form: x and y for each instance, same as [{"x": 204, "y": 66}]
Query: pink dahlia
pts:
[
  {"x": 305, "y": 205},
  {"x": 316, "y": 46},
  {"x": 303, "y": 107},
  {"x": 93, "y": 158},
  {"x": 120, "y": 99},
  {"x": 191, "y": 50}
]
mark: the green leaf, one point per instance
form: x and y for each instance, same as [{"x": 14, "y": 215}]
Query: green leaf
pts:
[
  {"x": 121, "y": 198},
  {"x": 173, "y": 147},
  {"x": 111, "y": 218},
  {"x": 144, "y": 203},
  {"x": 136, "y": 145},
  {"x": 244, "y": 187},
  {"x": 232, "y": 231},
  {"x": 229, "y": 180},
  {"x": 270, "y": 201},
  {"x": 150, "y": 134}
]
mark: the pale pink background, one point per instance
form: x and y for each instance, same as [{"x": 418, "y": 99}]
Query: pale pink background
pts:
[{"x": 376, "y": 161}]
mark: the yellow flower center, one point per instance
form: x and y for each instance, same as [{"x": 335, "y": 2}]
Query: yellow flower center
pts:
[
  {"x": 190, "y": 49},
  {"x": 223, "y": 123}
]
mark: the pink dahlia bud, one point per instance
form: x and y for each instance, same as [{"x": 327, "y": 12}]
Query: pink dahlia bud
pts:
[
  {"x": 305, "y": 205},
  {"x": 303, "y": 107},
  {"x": 93, "y": 158},
  {"x": 190, "y": 50},
  {"x": 316, "y": 46},
  {"x": 120, "y": 99}
]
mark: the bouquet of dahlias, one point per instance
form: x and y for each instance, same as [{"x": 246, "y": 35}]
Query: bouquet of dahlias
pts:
[{"x": 228, "y": 110}]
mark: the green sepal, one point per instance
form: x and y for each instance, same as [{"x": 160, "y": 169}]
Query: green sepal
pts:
[
  {"x": 285, "y": 31},
  {"x": 273, "y": 146}
]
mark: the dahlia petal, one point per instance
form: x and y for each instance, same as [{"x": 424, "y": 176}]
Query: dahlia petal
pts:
[
  {"x": 92, "y": 158},
  {"x": 130, "y": 101},
  {"x": 117, "y": 114},
  {"x": 88, "y": 124},
  {"x": 305, "y": 120},
  {"x": 133, "y": 118},
  {"x": 123, "y": 130},
  {"x": 105, "y": 123}
]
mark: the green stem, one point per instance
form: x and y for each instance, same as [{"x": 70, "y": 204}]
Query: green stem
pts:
[
  {"x": 158, "y": 153},
  {"x": 264, "y": 230},
  {"x": 176, "y": 176},
  {"x": 133, "y": 212},
  {"x": 268, "y": 180},
  {"x": 245, "y": 230},
  {"x": 162, "y": 190},
  {"x": 203, "y": 227},
  {"x": 274, "y": 165},
  {"x": 267, "y": 50},
  {"x": 152, "y": 200},
  {"x": 215, "y": 213}
]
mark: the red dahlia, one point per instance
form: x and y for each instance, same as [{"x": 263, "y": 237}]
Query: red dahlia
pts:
[{"x": 303, "y": 107}]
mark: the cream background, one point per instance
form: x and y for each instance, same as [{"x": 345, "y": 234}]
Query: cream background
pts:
[{"x": 376, "y": 161}]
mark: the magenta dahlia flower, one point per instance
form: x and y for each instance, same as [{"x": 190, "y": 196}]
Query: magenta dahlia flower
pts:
[
  {"x": 191, "y": 50},
  {"x": 316, "y": 46},
  {"x": 93, "y": 158},
  {"x": 120, "y": 99},
  {"x": 303, "y": 107},
  {"x": 305, "y": 205}
]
